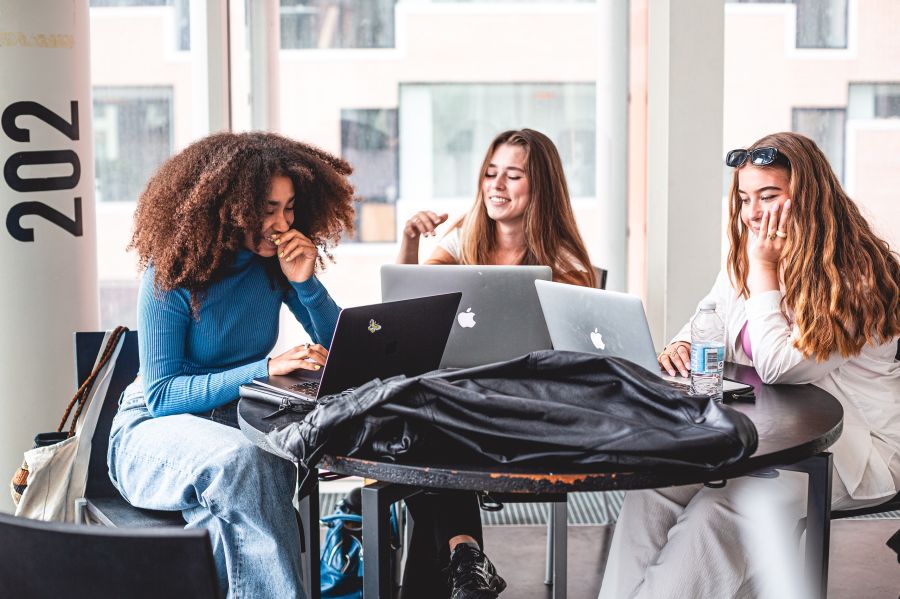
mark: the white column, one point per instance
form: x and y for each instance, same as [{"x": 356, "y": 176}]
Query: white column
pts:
[
  {"x": 684, "y": 214},
  {"x": 612, "y": 140},
  {"x": 48, "y": 261},
  {"x": 265, "y": 44},
  {"x": 211, "y": 67}
]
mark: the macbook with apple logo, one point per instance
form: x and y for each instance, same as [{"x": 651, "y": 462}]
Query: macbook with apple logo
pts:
[
  {"x": 377, "y": 341},
  {"x": 604, "y": 322},
  {"x": 499, "y": 316}
]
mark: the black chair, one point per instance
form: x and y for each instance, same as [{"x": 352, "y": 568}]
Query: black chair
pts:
[
  {"x": 54, "y": 559},
  {"x": 102, "y": 502},
  {"x": 601, "y": 277}
]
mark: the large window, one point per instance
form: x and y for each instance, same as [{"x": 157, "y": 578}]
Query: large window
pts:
[
  {"x": 820, "y": 23},
  {"x": 337, "y": 24},
  {"x": 462, "y": 119},
  {"x": 874, "y": 100},
  {"x": 182, "y": 16},
  {"x": 369, "y": 143},
  {"x": 825, "y": 126},
  {"x": 132, "y": 137}
]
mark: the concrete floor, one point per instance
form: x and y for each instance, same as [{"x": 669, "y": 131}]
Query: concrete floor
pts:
[{"x": 861, "y": 565}]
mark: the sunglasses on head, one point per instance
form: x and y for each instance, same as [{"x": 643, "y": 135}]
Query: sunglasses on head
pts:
[{"x": 758, "y": 157}]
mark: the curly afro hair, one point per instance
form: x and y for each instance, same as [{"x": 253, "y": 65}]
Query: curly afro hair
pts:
[{"x": 191, "y": 219}]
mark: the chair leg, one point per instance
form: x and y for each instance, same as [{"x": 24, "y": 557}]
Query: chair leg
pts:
[{"x": 80, "y": 508}]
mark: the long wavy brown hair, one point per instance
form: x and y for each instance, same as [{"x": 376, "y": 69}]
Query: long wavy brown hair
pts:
[
  {"x": 192, "y": 217},
  {"x": 551, "y": 235},
  {"x": 841, "y": 281}
]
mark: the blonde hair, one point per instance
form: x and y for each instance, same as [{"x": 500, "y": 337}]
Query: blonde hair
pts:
[
  {"x": 841, "y": 281},
  {"x": 551, "y": 235}
]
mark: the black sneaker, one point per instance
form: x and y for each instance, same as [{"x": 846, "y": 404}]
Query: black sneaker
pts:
[{"x": 472, "y": 575}]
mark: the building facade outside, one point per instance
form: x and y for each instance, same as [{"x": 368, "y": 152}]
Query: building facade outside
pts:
[{"x": 411, "y": 92}]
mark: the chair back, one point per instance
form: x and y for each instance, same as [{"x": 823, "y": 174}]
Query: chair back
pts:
[
  {"x": 87, "y": 346},
  {"x": 55, "y": 559},
  {"x": 601, "y": 277}
]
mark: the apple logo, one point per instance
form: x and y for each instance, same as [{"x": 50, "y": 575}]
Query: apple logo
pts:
[
  {"x": 597, "y": 339},
  {"x": 466, "y": 319}
]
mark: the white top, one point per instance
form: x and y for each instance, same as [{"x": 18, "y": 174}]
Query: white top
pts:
[
  {"x": 450, "y": 243},
  {"x": 867, "y": 455}
]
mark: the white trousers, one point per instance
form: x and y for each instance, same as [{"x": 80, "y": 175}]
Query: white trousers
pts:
[{"x": 694, "y": 542}]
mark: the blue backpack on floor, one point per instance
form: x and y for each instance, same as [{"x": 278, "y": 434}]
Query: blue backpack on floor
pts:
[{"x": 341, "y": 564}]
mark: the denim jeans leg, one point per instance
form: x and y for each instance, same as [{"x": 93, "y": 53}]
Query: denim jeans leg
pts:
[{"x": 220, "y": 481}]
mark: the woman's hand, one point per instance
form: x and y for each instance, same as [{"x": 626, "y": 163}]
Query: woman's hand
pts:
[
  {"x": 423, "y": 223},
  {"x": 307, "y": 356},
  {"x": 766, "y": 252},
  {"x": 676, "y": 356},
  {"x": 296, "y": 255}
]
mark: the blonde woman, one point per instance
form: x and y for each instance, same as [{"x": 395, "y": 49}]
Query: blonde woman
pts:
[
  {"x": 810, "y": 295},
  {"x": 522, "y": 215}
]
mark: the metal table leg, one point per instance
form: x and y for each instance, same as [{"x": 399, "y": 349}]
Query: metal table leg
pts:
[
  {"x": 818, "y": 519},
  {"x": 377, "y": 497},
  {"x": 309, "y": 516},
  {"x": 560, "y": 533}
]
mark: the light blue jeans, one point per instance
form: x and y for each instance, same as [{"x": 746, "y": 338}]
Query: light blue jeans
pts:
[{"x": 220, "y": 481}]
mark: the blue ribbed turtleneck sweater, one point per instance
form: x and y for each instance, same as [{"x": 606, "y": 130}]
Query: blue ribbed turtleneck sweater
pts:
[{"x": 192, "y": 366}]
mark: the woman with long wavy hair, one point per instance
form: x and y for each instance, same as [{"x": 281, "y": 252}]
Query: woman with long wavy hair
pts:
[
  {"x": 522, "y": 214},
  {"x": 226, "y": 232},
  {"x": 810, "y": 295}
]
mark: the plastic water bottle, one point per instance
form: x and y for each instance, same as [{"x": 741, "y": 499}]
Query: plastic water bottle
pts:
[{"x": 707, "y": 351}]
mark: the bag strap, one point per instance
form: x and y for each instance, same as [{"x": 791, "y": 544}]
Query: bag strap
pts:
[{"x": 84, "y": 390}]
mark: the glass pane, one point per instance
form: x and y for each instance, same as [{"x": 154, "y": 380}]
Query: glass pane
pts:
[
  {"x": 369, "y": 143},
  {"x": 337, "y": 24},
  {"x": 466, "y": 117},
  {"x": 132, "y": 138},
  {"x": 886, "y": 100},
  {"x": 144, "y": 111},
  {"x": 821, "y": 23},
  {"x": 825, "y": 126}
]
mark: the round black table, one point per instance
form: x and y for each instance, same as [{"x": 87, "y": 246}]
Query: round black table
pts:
[{"x": 795, "y": 423}]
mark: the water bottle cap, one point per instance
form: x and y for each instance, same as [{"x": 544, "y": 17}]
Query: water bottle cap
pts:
[{"x": 707, "y": 305}]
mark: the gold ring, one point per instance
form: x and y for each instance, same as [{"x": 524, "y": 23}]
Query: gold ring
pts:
[
  {"x": 781, "y": 234},
  {"x": 772, "y": 236}
]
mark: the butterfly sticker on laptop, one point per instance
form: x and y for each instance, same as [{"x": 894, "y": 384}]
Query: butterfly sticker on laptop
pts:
[{"x": 373, "y": 327}]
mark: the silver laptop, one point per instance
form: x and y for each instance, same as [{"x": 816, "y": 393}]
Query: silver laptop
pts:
[
  {"x": 499, "y": 316},
  {"x": 605, "y": 322}
]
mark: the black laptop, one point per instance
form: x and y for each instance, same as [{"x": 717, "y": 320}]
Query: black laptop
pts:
[{"x": 378, "y": 341}]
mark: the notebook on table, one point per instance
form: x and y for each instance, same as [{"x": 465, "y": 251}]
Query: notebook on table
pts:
[
  {"x": 377, "y": 341},
  {"x": 607, "y": 323},
  {"x": 499, "y": 315}
]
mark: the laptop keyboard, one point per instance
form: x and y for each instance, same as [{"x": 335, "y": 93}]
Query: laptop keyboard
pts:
[{"x": 310, "y": 388}]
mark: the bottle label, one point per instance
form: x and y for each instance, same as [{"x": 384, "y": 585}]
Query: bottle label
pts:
[{"x": 707, "y": 359}]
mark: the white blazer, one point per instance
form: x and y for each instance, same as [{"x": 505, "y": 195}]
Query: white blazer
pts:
[{"x": 867, "y": 455}]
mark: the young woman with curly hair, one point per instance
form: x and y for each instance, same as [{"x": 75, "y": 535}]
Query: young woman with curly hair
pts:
[
  {"x": 522, "y": 215},
  {"x": 227, "y": 231},
  {"x": 810, "y": 295}
]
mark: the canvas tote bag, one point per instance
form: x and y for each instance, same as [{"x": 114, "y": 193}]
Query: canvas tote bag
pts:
[{"x": 57, "y": 472}]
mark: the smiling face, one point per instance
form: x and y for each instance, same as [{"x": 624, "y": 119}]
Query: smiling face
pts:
[
  {"x": 278, "y": 218},
  {"x": 505, "y": 186},
  {"x": 759, "y": 189}
]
